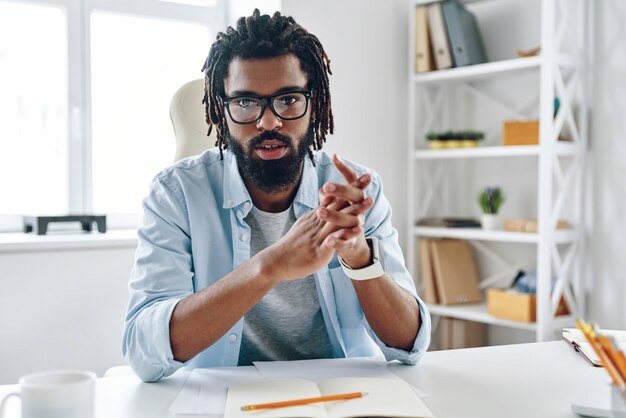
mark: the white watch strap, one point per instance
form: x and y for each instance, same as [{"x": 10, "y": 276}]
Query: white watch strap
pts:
[{"x": 372, "y": 271}]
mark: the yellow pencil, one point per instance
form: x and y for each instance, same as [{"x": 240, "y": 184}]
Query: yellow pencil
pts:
[
  {"x": 590, "y": 335},
  {"x": 614, "y": 354},
  {"x": 306, "y": 401}
]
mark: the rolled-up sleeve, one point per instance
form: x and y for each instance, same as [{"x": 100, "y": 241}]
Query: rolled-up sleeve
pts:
[{"x": 162, "y": 275}]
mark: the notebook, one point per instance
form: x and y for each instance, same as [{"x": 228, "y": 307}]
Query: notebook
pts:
[
  {"x": 385, "y": 398},
  {"x": 576, "y": 338}
]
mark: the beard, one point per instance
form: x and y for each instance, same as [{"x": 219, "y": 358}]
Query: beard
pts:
[{"x": 270, "y": 176}]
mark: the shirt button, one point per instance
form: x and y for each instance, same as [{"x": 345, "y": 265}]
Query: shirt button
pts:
[
  {"x": 244, "y": 237},
  {"x": 232, "y": 338},
  {"x": 246, "y": 206},
  {"x": 229, "y": 203}
]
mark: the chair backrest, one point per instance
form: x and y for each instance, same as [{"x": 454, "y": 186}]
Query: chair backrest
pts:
[{"x": 188, "y": 120}]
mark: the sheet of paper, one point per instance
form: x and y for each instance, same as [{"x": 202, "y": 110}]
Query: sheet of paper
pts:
[
  {"x": 204, "y": 393},
  {"x": 321, "y": 369}
]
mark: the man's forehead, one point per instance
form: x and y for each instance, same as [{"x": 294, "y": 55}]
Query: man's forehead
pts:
[{"x": 264, "y": 76}]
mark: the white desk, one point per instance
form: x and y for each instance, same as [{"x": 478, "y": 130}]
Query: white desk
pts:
[{"x": 525, "y": 380}]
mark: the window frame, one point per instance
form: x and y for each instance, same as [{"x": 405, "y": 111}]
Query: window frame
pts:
[{"x": 79, "y": 145}]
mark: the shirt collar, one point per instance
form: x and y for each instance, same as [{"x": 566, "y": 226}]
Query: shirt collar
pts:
[{"x": 235, "y": 192}]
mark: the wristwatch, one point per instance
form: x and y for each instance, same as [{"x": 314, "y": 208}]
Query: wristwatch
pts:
[{"x": 372, "y": 271}]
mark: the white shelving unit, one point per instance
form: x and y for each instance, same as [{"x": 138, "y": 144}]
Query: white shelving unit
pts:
[{"x": 560, "y": 71}]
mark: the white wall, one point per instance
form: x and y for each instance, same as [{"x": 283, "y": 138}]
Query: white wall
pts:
[{"x": 607, "y": 302}]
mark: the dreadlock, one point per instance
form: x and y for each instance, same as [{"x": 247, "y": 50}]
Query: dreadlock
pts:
[{"x": 262, "y": 36}]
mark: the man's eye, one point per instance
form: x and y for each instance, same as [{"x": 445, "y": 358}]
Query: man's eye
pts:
[
  {"x": 245, "y": 103},
  {"x": 288, "y": 100}
]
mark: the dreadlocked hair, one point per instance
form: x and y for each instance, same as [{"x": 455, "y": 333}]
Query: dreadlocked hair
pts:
[{"x": 262, "y": 36}]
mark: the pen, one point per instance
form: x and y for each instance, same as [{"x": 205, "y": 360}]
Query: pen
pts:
[{"x": 306, "y": 401}]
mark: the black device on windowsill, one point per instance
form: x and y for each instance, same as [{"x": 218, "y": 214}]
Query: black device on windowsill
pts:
[{"x": 39, "y": 224}]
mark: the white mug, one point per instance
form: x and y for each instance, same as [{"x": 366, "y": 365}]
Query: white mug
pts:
[{"x": 56, "y": 394}]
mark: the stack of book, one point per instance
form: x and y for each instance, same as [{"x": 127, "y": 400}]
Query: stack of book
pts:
[{"x": 446, "y": 36}]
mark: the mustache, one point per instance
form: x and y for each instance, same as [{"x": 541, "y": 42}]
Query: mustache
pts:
[{"x": 270, "y": 135}]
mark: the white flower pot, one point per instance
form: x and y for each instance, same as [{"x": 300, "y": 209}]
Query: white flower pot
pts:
[{"x": 490, "y": 221}]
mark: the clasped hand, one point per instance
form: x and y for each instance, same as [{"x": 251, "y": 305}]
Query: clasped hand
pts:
[{"x": 337, "y": 225}]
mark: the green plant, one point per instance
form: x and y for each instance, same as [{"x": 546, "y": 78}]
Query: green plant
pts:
[
  {"x": 490, "y": 200},
  {"x": 455, "y": 135}
]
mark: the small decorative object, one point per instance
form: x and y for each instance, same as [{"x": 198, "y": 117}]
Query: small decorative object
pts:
[
  {"x": 454, "y": 139},
  {"x": 490, "y": 201},
  {"x": 527, "y": 53}
]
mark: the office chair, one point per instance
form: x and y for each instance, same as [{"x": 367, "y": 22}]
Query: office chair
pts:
[{"x": 188, "y": 120}]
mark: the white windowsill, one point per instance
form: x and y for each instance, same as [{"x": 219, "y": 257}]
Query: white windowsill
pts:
[{"x": 21, "y": 242}]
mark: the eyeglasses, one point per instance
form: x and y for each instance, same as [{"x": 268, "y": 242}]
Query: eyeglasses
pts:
[{"x": 245, "y": 110}]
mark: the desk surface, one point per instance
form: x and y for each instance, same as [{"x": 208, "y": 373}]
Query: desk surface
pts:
[{"x": 524, "y": 380}]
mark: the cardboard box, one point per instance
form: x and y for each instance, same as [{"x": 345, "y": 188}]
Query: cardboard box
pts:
[
  {"x": 520, "y": 132},
  {"x": 522, "y": 307}
]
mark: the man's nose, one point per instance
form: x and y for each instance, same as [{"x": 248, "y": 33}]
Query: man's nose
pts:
[{"x": 269, "y": 121}]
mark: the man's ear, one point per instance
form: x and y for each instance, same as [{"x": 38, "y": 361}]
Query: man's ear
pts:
[{"x": 313, "y": 107}]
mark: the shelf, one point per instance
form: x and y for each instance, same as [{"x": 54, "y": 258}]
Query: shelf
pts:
[
  {"x": 561, "y": 149},
  {"x": 561, "y": 237},
  {"x": 477, "y": 312},
  {"x": 20, "y": 242},
  {"x": 457, "y": 98},
  {"x": 478, "y": 71}
]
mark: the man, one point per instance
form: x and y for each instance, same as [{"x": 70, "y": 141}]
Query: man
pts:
[{"x": 258, "y": 250}]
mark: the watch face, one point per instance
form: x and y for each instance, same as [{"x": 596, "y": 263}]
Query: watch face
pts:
[{"x": 372, "y": 242}]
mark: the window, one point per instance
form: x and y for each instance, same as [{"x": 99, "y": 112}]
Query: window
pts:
[
  {"x": 137, "y": 64},
  {"x": 33, "y": 109},
  {"x": 85, "y": 87}
]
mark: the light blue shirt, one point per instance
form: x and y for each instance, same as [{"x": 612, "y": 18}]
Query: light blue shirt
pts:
[{"x": 193, "y": 233}]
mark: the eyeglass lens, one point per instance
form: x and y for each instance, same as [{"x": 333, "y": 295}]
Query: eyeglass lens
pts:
[{"x": 286, "y": 106}]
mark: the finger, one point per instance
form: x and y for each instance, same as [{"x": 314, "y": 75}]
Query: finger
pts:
[
  {"x": 337, "y": 219},
  {"x": 326, "y": 199},
  {"x": 354, "y": 210},
  {"x": 347, "y": 192},
  {"x": 344, "y": 238},
  {"x": 347, "y": 173},
  {"x": 338, "y": 204}
]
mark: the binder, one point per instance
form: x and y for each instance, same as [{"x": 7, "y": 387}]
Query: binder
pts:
[
  {"x": 423, "y": 53},
  {"x": 466, "y": 44},
  {"x": 455, "y": 271},
  {"x": 439, "y": 36},
  {"x": 429, "y": 290}
]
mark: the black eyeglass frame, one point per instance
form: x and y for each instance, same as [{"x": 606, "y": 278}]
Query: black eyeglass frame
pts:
[{"x": 268, "y": 100}]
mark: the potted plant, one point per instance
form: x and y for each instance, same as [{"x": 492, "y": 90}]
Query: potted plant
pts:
[
  {"x": 454, "y": 139},
  {"x": 490, "y": 201},
  {"x": 435, "y": 140},
  {"x": 470, "y": 139}
]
